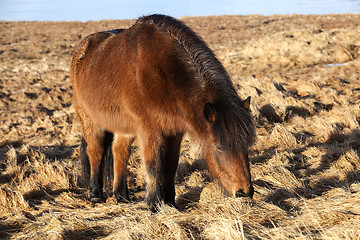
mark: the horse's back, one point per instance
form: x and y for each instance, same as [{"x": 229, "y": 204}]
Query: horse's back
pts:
[{"x": 86, "y": 46}]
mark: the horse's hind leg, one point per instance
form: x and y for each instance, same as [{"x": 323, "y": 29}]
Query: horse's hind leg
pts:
[
  {"x": 95, "y": 149},
  {"x": 169, "y": 163},
  {"x": 121, "y": 151},
  {"x": 94, "y": 137}
]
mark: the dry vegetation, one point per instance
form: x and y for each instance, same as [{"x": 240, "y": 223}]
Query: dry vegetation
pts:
[{"x": 302, "y": 73}]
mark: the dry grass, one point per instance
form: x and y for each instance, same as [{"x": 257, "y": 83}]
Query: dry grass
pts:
[{"x": 305, "y": 163}]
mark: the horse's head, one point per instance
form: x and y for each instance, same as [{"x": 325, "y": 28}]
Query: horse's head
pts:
[{"x": 231, "y": 132}]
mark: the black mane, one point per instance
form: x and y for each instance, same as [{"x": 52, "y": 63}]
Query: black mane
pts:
[
  {"x": 204, "y": 60},
  {"x": 234, "y": 126}
]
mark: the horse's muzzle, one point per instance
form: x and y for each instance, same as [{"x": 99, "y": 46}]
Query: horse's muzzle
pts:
[{"x": 249, "y": 193}]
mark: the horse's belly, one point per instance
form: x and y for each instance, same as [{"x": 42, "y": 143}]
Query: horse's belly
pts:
[{"x": 113, "y": 119}]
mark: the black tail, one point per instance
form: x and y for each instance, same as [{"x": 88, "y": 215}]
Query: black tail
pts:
[
  {"x": 85, "y": 165},
  {"x": 107, "y": 164}
]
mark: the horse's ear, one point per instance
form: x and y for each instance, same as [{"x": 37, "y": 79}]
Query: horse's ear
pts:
[
  {"x": 209, "y": 113},
  {"x": 246, "y": 103}
]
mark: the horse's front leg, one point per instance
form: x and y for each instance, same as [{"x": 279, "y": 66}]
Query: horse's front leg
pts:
[
  {"x": 169, "y": 162},
  {"x": 121, "y": 151},
  {"x": 152, "y": 151}
]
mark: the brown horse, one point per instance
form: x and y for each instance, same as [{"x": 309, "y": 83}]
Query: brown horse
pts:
[{"x": 155, "y": 81}]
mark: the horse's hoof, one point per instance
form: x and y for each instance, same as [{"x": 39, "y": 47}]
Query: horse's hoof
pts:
[
  {"x": 96, "y": 196},
  {"x": 122, "y": 199},
  {"x": 96, "y": 200},
  {"x": 155, "y": 206}
]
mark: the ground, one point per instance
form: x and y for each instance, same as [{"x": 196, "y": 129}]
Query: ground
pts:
[{"x": 302, "y": 73}]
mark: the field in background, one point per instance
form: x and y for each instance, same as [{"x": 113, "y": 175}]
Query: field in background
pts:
[{"x": 302, "y": 73}]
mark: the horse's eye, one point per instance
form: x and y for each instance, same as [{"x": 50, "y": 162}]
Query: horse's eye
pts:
[{"x": 219, "y": 148}]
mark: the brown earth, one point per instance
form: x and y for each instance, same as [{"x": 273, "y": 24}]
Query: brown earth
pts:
[{"x": 302, "y": 73}]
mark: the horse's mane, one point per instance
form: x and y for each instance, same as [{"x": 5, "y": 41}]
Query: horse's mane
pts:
[
  {"x": 234, "y": 127},
  {"x": 201, "y": 55}
]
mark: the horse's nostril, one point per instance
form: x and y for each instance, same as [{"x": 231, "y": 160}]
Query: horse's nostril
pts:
[
  {"x": 251, "y": 192},
  {"x": 241, "y": 193}
]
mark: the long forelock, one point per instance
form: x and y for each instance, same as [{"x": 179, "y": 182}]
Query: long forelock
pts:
[{"x": 234, "y": 128}]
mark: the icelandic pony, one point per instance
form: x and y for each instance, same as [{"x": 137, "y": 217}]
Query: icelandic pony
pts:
[{"x": 154, "y": 82}]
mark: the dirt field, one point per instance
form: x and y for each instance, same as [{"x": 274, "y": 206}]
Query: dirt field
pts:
[{"x": 302, "y": 73}]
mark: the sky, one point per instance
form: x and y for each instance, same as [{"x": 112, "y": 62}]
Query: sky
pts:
[{"x": 84, "y": 10}]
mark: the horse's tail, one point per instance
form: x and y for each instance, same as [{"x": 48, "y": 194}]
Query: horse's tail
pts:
[
  {"x": 106, "y": 164},
  {"x": 85, "y": 165}
]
